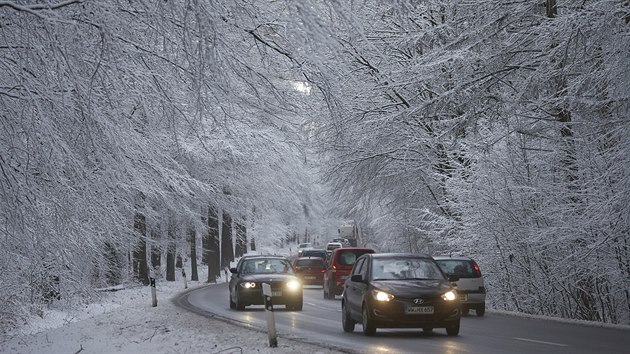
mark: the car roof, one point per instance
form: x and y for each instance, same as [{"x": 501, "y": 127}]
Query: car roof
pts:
[
  {"x": 344, "y": 249},
  {"x": 455, "y": 258},
  {"x": 309, "y": 257},
  {"x": 263, "y": 256},
  {"x": 399, "y": 255}
]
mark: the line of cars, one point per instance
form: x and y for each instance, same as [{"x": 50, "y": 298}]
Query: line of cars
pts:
[{"x": 379, "y": 290}]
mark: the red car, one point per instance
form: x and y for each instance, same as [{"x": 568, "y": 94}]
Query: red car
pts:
[
  {"x": 339, "y": 268},
  {"x": 310, "y": 270}
]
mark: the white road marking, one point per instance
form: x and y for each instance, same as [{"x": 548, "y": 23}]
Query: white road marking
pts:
[{"x": 540, "y": 341}]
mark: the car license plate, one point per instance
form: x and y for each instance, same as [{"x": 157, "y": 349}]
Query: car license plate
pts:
[
  {"x": 276, "y": 293},
  {"x": 463, "y": 297},
  {"x": 423, "y": 310},
  {"x": 309, "y": 277}
]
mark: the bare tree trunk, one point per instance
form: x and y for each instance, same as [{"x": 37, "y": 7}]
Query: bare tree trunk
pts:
[
  {"x": 227, "y": 246},
  {"x": 213, "y": 253},
  {"x": 192, "y": 237},
  {"x": 241, "y": 239},
  {"x": 140, "y": 251},
  {"x": 170, "y": 254},
  {"x": 156, "y": 253}
]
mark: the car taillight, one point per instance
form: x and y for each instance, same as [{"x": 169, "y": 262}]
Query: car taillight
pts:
[
  {"x": 477, "y": 270},
  {"x": 482, "y": 289},
  {"x": 323, "y": 270}
]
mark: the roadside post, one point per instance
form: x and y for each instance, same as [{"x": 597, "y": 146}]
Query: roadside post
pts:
[
  {"x": 185, "y": 280},
  {"x": 271, "y": 322},
  {"x": 153, "y": 293}
]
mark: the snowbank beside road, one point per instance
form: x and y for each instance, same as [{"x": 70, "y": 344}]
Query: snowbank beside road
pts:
[{"x": 125, "y": 322}]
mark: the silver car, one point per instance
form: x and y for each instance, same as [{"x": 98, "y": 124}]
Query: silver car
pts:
[{"x": 470, "y": 286}]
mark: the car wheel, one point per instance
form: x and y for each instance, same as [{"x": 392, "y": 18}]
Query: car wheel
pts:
[
  {"x": 453, "y": 329},
  {"x": 238, "y": 304},
  {"x": 331, "y": 292},
  {"x": 232, "y": 304},
  {"x": 347, "y": 322},
  {"x": 297, "y": 305},
  {"x": 368, "y": 327},
  {"x": 481, "y": 310}
]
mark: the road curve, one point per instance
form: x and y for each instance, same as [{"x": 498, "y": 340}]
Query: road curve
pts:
[{"x": 320, "y": 323}]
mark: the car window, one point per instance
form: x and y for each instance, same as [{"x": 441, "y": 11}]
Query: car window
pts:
[
  {"x": 312, "y": 262},
  {"x": 321, "y": 254},
  {"x": 405, "y": 268},
  {"x": 461, "y": 268},
  {"x": 357, "y": 267},
  {"x": 364, "y": 269},
  {"x": 265, "y": 265},
  {"x": 348, "y": 257}
]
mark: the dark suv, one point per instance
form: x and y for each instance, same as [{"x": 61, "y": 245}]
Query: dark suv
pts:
[{"x": 339, "y": 267}]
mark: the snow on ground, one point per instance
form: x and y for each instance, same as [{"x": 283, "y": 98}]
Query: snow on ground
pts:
[{"x": 125, "y": 322}]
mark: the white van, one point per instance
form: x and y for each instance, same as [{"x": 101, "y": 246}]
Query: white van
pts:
[{"x": 470, "y": 286}]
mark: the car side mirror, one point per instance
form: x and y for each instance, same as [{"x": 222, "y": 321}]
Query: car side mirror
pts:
[
  {"x": 453, "y": 277},
  {"x": 358, "y": 278},
  {"x": 233, "y": 271}
]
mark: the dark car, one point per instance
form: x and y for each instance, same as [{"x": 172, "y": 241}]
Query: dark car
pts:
[
  {"x": 399, "y": 290},
  {"x": 315, "y": 253},
  {"x": 251, "y": 272},
  {"x": 310, "y": 270},
  {"x": 339, "y": 267}
]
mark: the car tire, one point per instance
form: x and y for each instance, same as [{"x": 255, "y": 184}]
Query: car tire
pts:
[
  {"x": 481, "y": 310},
  {"x": 347, "y": 322},
  {"x": 297, "y": 305},
  {"x": 368, "y": 327},
  {"x": 331, "y": 291},
  {"x": 238, "y": 304},
  {"x": 232, "y": 304},
  {"x": 453, "y": 329}
]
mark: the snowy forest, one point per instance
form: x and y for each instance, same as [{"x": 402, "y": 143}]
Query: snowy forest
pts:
[{"x": 138, "y": 133}]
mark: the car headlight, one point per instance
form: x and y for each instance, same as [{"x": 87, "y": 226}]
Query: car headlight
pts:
[
  {"x": 248, "y": 285},
  {"x": 449, "y": 296},
  {"x": 293, "y": 284},
  {"x": 381, "y": 295}
]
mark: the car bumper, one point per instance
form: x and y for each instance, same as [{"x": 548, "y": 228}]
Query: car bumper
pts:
[
  {"x": 393, "y": 314},
  {"x": 312, "y": 279},
  {"x": 472, "y": 300},
  {"x": 255, "y": 297}
]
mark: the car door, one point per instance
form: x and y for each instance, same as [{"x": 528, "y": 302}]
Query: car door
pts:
[{"x": 354, "y": 289}]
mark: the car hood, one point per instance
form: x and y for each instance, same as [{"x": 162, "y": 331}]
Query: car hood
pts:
[
  {"x": 268, "y": 277},
  {"x": 412, "y": 288}
]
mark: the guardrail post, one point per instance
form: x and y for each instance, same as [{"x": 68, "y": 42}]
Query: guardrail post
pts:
[
  {"x": 153, "y": 293},
  {"x": 271, "y": 322}
]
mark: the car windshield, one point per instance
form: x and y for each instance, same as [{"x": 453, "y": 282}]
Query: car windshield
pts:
[
  {"x": 405, "y": 268},
  {"x": 321, "y": 254},
  {"x": 266, "y": 266},
  {"x": 462, "y": 268},
  {"x": 348, "y": 257}
]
